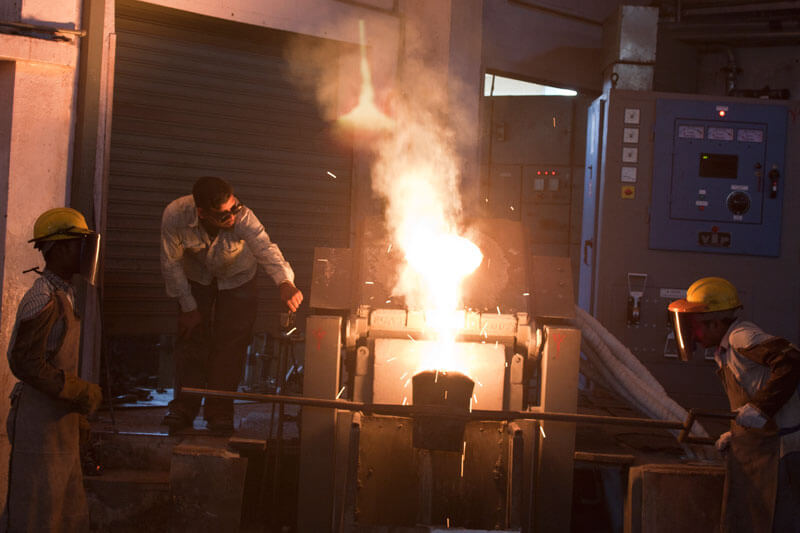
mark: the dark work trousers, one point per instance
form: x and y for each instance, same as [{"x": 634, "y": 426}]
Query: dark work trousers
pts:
[{"x": 213, "y": 354}]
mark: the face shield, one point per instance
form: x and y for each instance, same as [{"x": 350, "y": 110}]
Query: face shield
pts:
[
  {"x": 683, "y": 327},
  {"x": 90, "y": 257},
  {"x": 694, "y": 323}
]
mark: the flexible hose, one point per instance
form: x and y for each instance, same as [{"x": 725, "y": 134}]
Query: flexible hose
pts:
[{"x": 626, "y": 375}]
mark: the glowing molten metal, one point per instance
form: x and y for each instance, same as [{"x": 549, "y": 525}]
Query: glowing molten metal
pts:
[{"x": 441, "y": 261}]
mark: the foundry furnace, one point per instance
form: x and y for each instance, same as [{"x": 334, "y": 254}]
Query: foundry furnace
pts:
[{"x": 512, "y": 350}]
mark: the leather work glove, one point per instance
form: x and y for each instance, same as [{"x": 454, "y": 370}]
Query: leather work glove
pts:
[
  {"x": 750, "y": 417},
  {"x": 723, "y": 442},
  {"x": 86, "y": 396}
]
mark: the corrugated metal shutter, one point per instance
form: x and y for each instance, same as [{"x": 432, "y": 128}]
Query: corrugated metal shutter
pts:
[{"x": 198, "y": 96}]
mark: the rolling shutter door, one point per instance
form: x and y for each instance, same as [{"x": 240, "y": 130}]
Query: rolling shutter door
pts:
[{"x": 197, "y": 96}]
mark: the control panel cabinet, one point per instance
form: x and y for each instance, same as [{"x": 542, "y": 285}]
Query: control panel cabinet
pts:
[{"x": 718, "y": 177}]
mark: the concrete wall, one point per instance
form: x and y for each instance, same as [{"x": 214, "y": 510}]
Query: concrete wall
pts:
[
  {"x": 53, "y": 13},
  {"x": 698, "y": 69},
  {"x": 561, "y": 46},
  {"x": 776, "y": 66},
  {"x": 676, "y": 66},
  {"x": 37, "y": 115}
]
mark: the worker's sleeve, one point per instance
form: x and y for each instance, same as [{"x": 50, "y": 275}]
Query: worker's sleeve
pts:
[
  {"x": 265, "y": 251},
  {"x": 783, "y": 360},
  {"x": 175, "y": 280},
  {"x": 27, "y": 356}
]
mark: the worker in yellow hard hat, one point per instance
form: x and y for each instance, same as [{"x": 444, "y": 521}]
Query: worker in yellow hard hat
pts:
[
  {"x": 760, "y": 374},
  {"x": 45, "y": 488}
]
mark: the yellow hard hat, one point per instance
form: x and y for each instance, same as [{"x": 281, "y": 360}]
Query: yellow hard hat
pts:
[
  {"x": 707, "y": 295},
  {"x": 706, "y": 298},
  {"x": 58, "y": 224}
]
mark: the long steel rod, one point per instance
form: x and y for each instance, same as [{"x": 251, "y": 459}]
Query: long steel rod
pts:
[
  {"x": 409, "y": 410},
  {"x": 693, "y": 415}
]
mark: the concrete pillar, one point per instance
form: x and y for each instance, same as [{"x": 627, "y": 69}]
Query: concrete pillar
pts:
[
  {"x": 89, "y": 184},
  {"x": 441, "y": 49},
  {"x": 425, "y": 55},
  {"x": 556, "y": 447},
  {"x": 318, "y": 445},
  {"x": 465, "y": 86}
]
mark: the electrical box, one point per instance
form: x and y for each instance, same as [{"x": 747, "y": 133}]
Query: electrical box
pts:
[
  {"x": 678, "y": 187},
  {"x": 718, "y": 173},
  {"x": 532, "y": 158}
]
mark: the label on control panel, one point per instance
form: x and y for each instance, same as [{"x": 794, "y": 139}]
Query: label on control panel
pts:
[
  {"x": 630, "y": 135},
  {"x": 630, "y": 154},
  {"x": 714, "y": 239},
  {"x": 672, "y": 294},
  {"x": 631, "y": 115},
  {"x": 628, "y": 175}
]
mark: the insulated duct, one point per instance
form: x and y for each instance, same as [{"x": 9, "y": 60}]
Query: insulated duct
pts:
[{"x": 626, "y": 375}]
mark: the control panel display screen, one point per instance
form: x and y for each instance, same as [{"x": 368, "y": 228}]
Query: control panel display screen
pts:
[{"x": 718, "y": 166}]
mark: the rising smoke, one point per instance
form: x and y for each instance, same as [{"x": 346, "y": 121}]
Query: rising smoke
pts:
[{"x": 416, "y": 170}]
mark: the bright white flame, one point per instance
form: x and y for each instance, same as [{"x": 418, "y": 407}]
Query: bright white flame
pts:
[
  {"x": 438, "y": 257},
  {"x": 417, "y": 172},
  {"x": 438, "y": 263}
]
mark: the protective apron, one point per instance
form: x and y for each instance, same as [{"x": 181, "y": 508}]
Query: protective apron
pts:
[
  {"x": 45, "y": 479},
  {"x": 751, "y": 466}
]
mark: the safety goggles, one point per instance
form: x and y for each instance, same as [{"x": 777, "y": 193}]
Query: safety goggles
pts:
[{"x": 224, "y": 216}]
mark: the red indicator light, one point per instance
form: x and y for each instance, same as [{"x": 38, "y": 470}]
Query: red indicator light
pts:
[
  {"x": 546, "y": 173},
  {"x": 722, "y": 112},
  {"x": 714, "y": 229},
  {"x": 555, "y": 172},
  {"x": 539, "y": 172}
]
